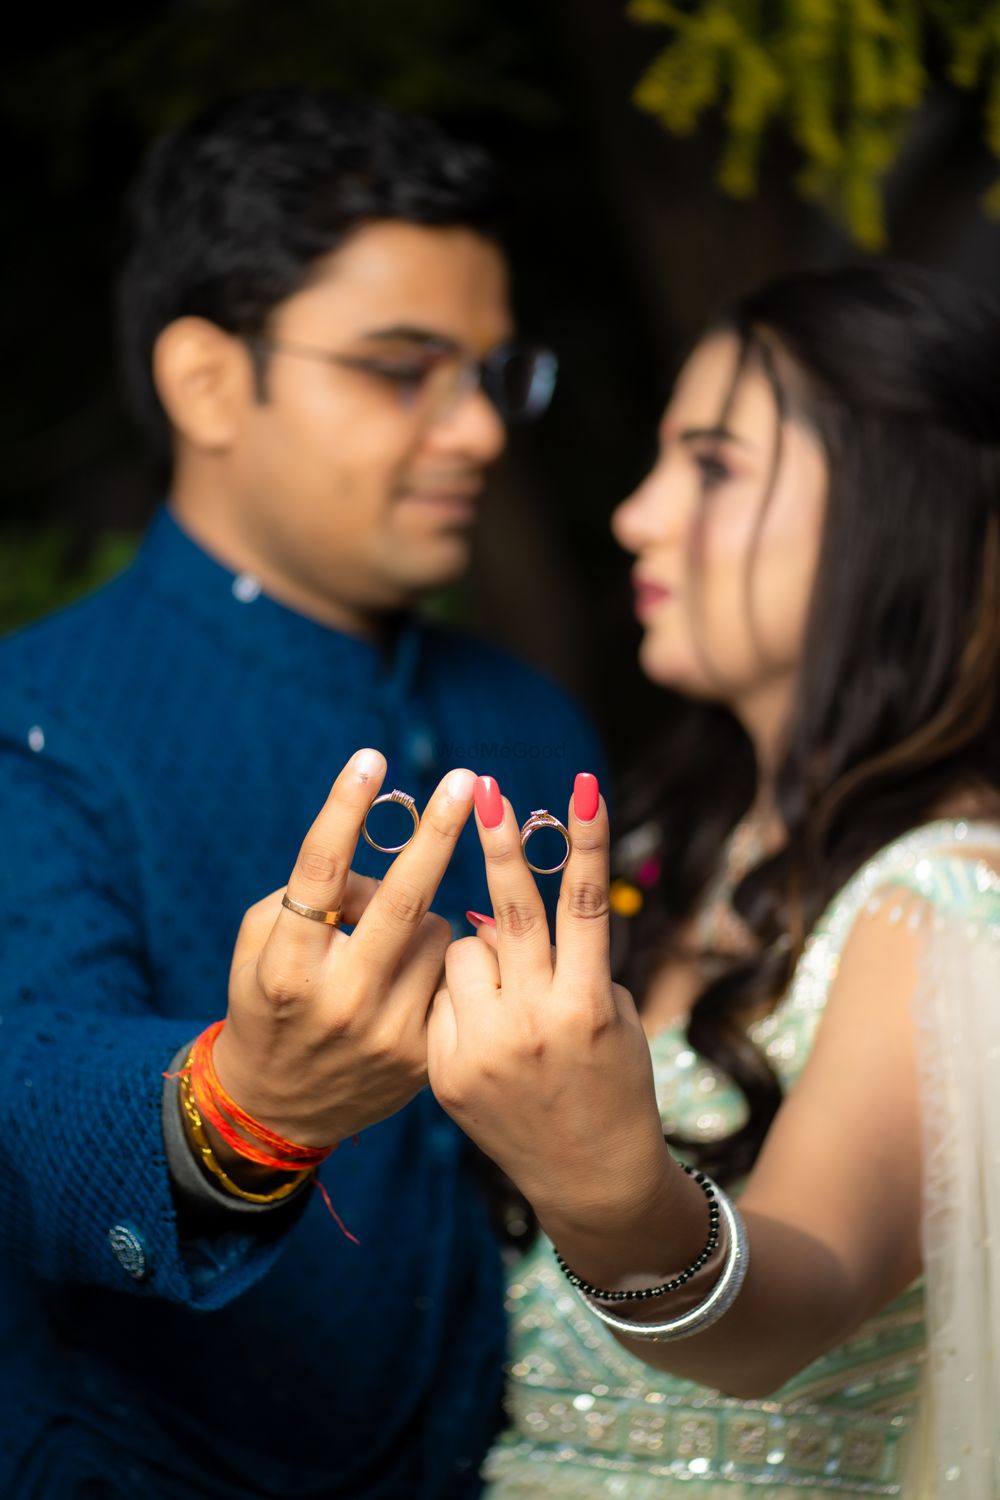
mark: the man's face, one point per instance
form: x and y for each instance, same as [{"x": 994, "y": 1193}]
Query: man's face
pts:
[{"x": 357, "y": 486}]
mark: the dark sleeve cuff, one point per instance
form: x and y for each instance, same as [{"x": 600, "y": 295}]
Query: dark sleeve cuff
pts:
[{"x": 200, "y": 1205}]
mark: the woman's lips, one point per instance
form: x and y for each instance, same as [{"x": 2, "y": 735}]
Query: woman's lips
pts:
[{"x": 649, "y": 595}]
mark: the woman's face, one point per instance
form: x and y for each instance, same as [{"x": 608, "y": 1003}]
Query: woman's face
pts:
[{"x": 725, "y": 559}]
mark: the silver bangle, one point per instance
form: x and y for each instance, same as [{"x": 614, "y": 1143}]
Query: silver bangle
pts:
[{"x": 719, "y": 1300}]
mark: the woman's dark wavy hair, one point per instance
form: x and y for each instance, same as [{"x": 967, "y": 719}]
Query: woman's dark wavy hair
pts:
[
  {"x": 230, "y": 214},
  {"x": 897, "y": 372}
]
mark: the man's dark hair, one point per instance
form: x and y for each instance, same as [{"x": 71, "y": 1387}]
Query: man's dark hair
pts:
[{"x": 230, "y": 212}]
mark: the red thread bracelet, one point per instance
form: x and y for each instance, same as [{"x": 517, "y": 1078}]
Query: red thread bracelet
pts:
[{"x": 211, "y": 1098}]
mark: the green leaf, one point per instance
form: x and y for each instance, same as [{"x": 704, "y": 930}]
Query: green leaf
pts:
[{"x": 44, "y": 570}]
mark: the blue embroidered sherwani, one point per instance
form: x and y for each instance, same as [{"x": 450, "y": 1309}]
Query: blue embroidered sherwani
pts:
[{"x": 164, "y": 746}]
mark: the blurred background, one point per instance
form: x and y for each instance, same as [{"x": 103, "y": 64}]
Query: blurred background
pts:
[{"x": 664, "y": 158}]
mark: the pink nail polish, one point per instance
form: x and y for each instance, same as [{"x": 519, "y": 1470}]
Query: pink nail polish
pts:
[
  {"x": 478, "y": 919},
  {"x": 489, "y": 803},
  {"x": 586, "y": 797}
]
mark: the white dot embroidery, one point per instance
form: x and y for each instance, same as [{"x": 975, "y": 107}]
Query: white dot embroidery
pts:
[
  {"x": 36, "y": 738},
  {"x": 246, "y": 588}
]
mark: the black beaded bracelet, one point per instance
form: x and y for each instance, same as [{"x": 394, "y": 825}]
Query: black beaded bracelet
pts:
[{"x": 676, "y": 1282}]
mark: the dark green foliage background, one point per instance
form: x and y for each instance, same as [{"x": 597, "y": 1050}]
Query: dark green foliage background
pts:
[{"x": 622, "y": 241}]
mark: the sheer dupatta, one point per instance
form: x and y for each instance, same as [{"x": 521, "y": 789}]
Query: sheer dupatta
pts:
[{"x": 957, "y": 1015}]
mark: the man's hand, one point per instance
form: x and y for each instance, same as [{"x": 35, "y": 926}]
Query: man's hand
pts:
[{"x": 326, "y": 1032}]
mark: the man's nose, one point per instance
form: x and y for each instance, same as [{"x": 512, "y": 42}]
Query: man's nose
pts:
[{"x": 473, "y": 428}]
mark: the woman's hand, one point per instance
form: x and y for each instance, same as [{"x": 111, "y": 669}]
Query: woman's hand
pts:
[
  {"x": 533, "y": 1051},
  {"x": 326, "y": 1032}
]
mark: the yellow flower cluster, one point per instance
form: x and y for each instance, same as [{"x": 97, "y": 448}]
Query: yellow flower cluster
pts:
[{"x": 846, "y": 78}]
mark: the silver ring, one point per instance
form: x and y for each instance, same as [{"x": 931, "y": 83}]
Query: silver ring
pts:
[
  {"x": 411, "y": 808},
  {"x": 542, "y": 818}
]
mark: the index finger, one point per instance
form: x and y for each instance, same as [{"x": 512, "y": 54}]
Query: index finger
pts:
[
  {"x": 319, "y": 879},
  {"x": 408, "y": 888},
  {"x": 583, "y": 943}
]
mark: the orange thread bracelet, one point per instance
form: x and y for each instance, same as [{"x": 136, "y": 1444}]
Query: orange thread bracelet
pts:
[{"x": 211, "y": 1098}]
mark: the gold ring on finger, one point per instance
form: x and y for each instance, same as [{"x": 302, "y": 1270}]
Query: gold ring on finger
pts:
[
  {"x": 542, "y": 818},
  {"x": 314, "y": 913},
  {"x": 411, "y": 808}
]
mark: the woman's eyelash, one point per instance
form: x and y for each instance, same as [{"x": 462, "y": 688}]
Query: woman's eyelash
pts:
[{"x": 713, "y": 470}]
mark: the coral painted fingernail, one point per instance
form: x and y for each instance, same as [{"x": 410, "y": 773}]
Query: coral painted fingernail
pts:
[
  {"x": 489, "y": 803},
  {"x": 586, "y": 797},
  {"x": 478, "y": 919}
]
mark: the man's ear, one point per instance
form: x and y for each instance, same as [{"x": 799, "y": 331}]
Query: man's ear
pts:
[{"x": 204, "y": 378}]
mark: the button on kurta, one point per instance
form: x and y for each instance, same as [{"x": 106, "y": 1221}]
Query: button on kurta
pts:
[
  {"x": 246, "y": 588},
  {"x": 130, "y": 1251}
]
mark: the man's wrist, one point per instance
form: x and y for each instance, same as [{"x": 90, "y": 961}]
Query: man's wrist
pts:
[
  {"x": 202, "y": 1198},
  {"x": 249, "y": 1175},
  {"x": 269, "y": 1185}
]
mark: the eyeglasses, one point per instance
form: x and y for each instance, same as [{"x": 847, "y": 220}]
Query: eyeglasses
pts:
[{"x": 519, "y": 379}]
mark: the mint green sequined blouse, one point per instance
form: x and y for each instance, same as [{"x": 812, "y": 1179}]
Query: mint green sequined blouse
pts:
[{"x": 590, "y": 1420}]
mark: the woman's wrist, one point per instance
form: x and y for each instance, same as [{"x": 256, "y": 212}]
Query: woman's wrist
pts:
[
  {"x": 638, "y": 1239},
  {"x": 708, "y": 1288}
]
